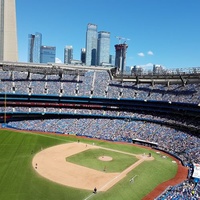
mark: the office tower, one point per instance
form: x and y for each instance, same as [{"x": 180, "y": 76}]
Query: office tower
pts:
[
  {"x": 120, "y": 56},
  {"x": 157, "y": 69},
  {"x": 8, "y": 31},
  {"x": 83, "y": 55},
  {"x": 136, "y": 70},
  {"x": 34, "y": 46},
  {"x": 91, "y": 44},
  {"x": 103, "y": 48},
  {"x": 68, "y": 54},
  {"x": 47, "y": 54},
  {"x": 112, "y": 60}
]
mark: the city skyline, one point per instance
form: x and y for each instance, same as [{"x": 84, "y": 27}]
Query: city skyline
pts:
[{"x": 157, "y": 32}]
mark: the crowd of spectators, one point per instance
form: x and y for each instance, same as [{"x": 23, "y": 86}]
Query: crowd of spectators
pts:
[
  {"x": 97, "y": 84},
  {"x": 185, "y": 190}
]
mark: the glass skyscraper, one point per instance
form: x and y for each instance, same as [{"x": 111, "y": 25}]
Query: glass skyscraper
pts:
[
  {"x": 91, "y": 44},
  {"x": 47, "y": 54},
  {"x": 112, "y": 60},
  {"x": 83, "y": 55},
  {"x": 68, "y": 54},
  {"x": 103, "y": 50},
  {"x": 34, "y": 46}
]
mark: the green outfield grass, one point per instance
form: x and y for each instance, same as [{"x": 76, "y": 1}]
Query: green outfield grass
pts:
[
  {"x": 89, "y": 158},
  {"x": 19, "y": 181}
]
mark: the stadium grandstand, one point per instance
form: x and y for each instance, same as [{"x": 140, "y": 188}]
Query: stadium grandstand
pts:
[{"x": 161, "y": 110}]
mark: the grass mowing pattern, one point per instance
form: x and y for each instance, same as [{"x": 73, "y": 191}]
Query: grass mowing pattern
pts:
[
  {"x": 19, "y": 181},
  {"x": 149, "y": 175},
  {"x": 89, "y": 158}
]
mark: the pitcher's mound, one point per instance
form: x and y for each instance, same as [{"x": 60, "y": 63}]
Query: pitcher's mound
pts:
[{"x": 105, "y": 158}]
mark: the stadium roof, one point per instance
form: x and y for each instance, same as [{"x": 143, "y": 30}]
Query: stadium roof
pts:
[{"x": 178, "y": 77}]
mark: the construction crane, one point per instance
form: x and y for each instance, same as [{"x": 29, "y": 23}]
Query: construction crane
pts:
[{"x": 122, "y": 39}]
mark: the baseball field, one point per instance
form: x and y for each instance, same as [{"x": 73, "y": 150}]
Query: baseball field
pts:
[{"x": 52, "y": 166}]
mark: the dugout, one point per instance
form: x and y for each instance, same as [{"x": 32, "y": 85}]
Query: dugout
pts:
[{"x": 145, "y": 143}]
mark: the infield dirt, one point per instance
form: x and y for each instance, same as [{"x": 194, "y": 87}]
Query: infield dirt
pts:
[{"x": 51, "y": 163}]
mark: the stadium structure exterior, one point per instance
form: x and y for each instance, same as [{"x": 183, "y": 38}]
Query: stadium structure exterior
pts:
[{"x": 182, "y": 76}]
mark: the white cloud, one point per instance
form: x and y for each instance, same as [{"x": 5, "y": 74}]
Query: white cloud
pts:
[
  {"x": 58, "y": 60},
  {"x": 150, "y": 53},
  {"x": 148, "y": 66},
  {"x": 141, "y": 54}
]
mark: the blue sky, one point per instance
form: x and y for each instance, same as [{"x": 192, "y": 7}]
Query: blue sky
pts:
[{"x": 165, "y": 32}]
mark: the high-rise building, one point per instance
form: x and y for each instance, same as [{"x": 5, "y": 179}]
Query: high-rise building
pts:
[
  {"x": 157, "y": 69},
  {"x": 91, "y": 44},
  {"x": 34, "y": 47},
  {"x": 68, "y": 54},
  {"x": 8, "y": 31},
  {"x": 120, "y": 56},
  {"x": 112, "y": 60},
  {"x": 83, "y": 55},
  {"x": 103, "y": 50},
  {"x": 47, "y": 54}
]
